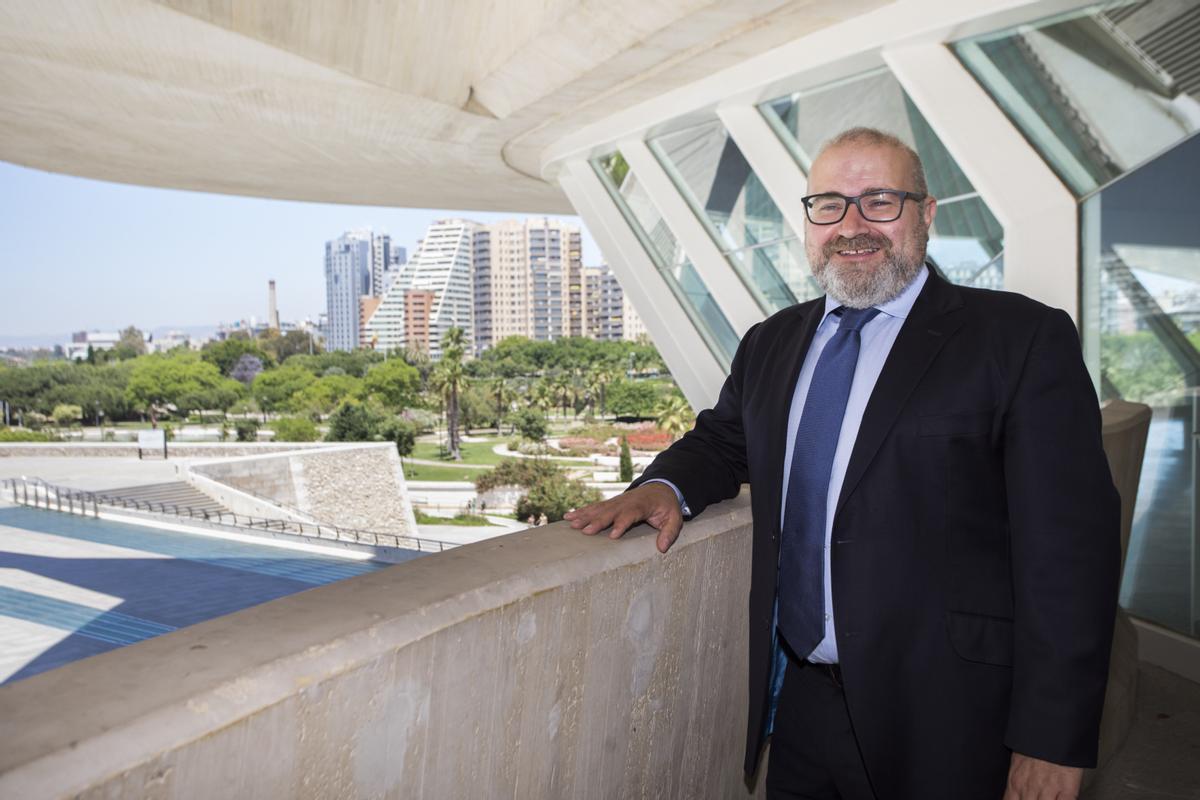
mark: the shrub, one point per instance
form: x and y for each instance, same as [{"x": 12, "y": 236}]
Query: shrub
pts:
[
  {"x": 295, "y": 429},
  {"x": 247, "y": 430},
  {"x": 20, "y": 435},
  {"x": 402, "y": 433},
  {"x": 626, "y": 461},
  {"x": 529, "y": 424},
  {"x": 554, "y": 498},
  {"x": 352, "y": 422},
  {"x": 525, "y": 472}
]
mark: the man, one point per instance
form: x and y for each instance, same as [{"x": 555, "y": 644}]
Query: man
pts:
[{"x": 935, "y": 555}]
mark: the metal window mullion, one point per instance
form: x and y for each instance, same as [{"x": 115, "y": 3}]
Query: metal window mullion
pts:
[
  {"x": 695, "y": 368},
  {"x": 1039, "y": 214},
  {"x": 724, "y": 284},
  {"x": 770, "y": 159}
]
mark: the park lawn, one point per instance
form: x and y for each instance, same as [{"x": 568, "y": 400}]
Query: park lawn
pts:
[
  {"x": 465, "y": 520},
  {"x": 426, "y": 472},
  {"x": 472, "y": 452}
]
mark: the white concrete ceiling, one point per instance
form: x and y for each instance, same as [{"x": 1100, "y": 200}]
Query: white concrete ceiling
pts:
[{"x": 417, "y": 103}]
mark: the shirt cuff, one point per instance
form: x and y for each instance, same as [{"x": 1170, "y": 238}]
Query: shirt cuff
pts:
[{"x": 683, "y": 506}]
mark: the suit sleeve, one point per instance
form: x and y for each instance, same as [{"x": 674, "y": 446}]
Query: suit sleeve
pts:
[
  {"x": 1064, "y": 516},
  {"x": 708, "y": 464}
]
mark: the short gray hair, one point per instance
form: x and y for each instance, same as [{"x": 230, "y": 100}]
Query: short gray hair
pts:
[{"x": 876, "y": 137}]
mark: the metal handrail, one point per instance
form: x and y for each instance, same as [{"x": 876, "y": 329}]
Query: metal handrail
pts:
[{"x": 42, "y": 491}]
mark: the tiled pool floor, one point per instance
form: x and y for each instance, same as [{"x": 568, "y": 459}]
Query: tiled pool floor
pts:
[{"x": 71, "y": 586}]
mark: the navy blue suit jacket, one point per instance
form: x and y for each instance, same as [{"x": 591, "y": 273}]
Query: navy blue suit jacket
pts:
[{"x": 975, "y": 544}]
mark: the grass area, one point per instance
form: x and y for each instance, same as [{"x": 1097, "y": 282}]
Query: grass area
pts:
[
  {"x": 426, "y": 472},
  {"x": 472, "y": 452},
  {"x": 465, "y": 520}
]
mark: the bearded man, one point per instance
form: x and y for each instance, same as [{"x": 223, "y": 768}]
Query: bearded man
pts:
[{"x": 935, "y": 556}]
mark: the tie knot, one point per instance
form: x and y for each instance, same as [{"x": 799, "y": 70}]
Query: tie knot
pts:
[{"x": 853, "y": 319}]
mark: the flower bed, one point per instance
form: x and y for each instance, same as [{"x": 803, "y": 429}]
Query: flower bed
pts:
[{"x": 650, "y": 439}]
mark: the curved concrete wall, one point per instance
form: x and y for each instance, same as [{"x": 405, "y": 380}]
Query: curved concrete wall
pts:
[{"x": 540, "y": 664}]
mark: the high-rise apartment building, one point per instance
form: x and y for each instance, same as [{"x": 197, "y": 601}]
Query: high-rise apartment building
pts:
[
  {"x": 528, "y": 281},
  {"x": 436, "y": 283},
  {"x": 347, "y": 278},
  {"x": 381, "y": 260},
  {"x": 418, "y": 314}
]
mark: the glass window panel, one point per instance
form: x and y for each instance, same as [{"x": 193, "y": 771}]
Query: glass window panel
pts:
[
  {"x": 668, "y": 257},
  {"x": 1100, "y": 90},
  {"x": 715, "y": 178},
  {"x": 1141, "y": 271},
  {"x": 966, "y": 241}
]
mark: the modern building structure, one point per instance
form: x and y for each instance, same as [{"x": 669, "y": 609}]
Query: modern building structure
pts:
[
  {"x": 528, "y": 281},
  {"x": 347, "y": 278},
  {"x": 367, "y": 307},
  {"x": 442, "y": 267},
  {"x": 1058, "y": 135},
  {"x": 418, "y": 319}
]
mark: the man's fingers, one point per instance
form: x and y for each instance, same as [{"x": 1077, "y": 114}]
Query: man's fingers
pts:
[{"x": 668, "y": 533}]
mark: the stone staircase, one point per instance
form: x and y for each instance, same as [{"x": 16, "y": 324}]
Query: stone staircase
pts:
[{"x": 171, "y": 494}]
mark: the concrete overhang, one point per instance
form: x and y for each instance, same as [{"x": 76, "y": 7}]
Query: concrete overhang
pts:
[{"x": 417, "y": 104}]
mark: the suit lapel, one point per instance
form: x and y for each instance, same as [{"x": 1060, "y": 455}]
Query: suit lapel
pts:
[
  {"x": 785, "y": 364},
  {"x": 930, "y": 324}
]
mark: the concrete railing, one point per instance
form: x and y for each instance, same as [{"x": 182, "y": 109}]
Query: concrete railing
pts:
[{"x": 540, "y": 664}]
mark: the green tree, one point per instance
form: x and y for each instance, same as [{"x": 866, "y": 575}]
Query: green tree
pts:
[
  {"x": 448, "y": 379},
  {"x": 179, "y": 379},
  {"x": 402, "y": 433},
  {"x": 626, "y": 467},
  {"x": 325, "y": 394},
  {"x": 529, "y": 424},
  {"x": 275, "y": 388},
  {"x": 224, "y": 355},
  {"x": 352, "y": 422},
  {"x": 555, "y": 498},
  {"x": 131, "y": 344},
  {"x": 395, "y": 383},
  {"x": 632, "y": 398}
]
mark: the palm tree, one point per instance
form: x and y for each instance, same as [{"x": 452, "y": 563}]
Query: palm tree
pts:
[
  {"x": 675, "y": 416},
  {"x": 503, "y": 394},
  {"x": 597, "y": 383},
  {"x": 541, "y": 396},
  {"x": 449, "y": 378},
  {"x": 561, "y": 386}
]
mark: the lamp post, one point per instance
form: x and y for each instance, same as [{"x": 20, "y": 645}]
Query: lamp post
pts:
[{"x": 100, "y": 419}]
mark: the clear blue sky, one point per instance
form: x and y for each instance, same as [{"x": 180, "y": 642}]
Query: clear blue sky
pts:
[{"x": 88, "y": 255}]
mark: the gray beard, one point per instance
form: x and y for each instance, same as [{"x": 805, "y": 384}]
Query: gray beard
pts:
[{"x": 855, "y": 289}]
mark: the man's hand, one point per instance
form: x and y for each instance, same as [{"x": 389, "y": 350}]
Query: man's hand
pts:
[
  {"x": 1033, "y": 779},
  {"x": 654, "y": 503}
]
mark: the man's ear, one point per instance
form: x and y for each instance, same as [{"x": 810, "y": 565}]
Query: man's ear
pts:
[{"x": 929, "y": 211}]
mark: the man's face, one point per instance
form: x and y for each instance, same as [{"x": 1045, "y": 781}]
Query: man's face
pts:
[{"x": 860, "y": 263}]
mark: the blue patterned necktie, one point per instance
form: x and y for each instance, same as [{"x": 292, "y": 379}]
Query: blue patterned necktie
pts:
[{"x": 802, "y": 552}]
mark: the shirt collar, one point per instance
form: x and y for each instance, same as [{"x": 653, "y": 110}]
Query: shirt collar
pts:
[{"x": 899, "y": 306}]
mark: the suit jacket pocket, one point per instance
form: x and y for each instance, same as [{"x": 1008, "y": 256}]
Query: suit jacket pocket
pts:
[
  {"x": 962, "y": 423},
  {"x": 980, "y": 638}
]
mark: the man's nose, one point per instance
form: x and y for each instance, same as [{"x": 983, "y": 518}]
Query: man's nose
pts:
[{"x": 852, "y": 223}]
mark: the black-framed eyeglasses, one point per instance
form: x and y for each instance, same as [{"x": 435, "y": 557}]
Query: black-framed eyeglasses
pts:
[{"x": 884, "y": 205}]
